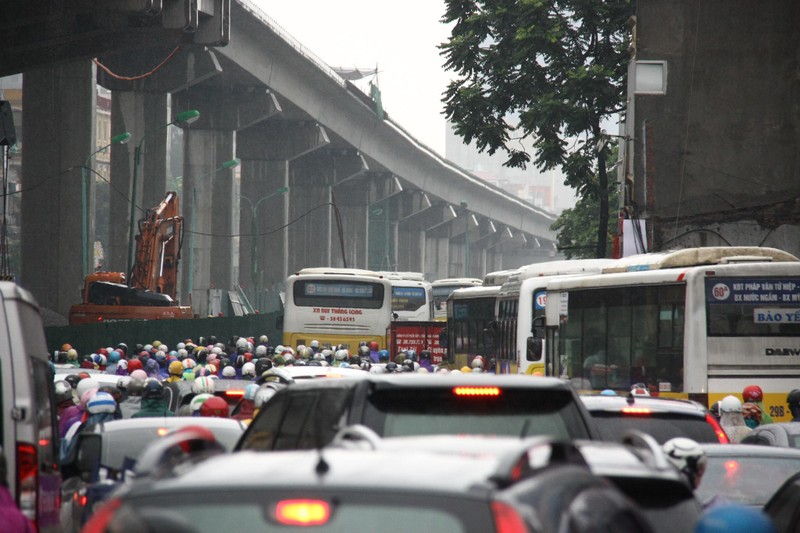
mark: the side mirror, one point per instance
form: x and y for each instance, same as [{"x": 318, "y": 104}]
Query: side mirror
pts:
[
  {"x": 534, "y": 348},
  {"x": 395, "y": 316}
]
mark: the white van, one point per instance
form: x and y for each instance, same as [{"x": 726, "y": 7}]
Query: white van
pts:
[{"x": 28, "y": 424}]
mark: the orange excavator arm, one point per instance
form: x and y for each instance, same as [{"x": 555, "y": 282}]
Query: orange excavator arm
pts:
[{"x": 158, "y": 248}]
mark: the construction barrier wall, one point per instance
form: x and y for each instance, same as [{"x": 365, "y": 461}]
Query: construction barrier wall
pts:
[{"x": 90, "y": 338}]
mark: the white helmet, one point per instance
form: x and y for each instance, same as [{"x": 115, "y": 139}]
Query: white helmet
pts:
[
  {"x": 477, "y": 362},
  {"x": 248, "y": 369},
  {"x": 241, "y": 342},
  {"x": 228, "y": 372},
  {"x": 315, "y": 343},
  {"x": 261, "y": 351},
  {"x": 101, "y": 402},
  {"x": 203, "y": 384},
  {"x": 85, "y": 385},
  {"x": 197, "y": 401},
  {"x": 729, "y": 404},
  {"x": 250, "y": 391},
  {"x": 687, "y": 456},
  {"x": 340, "y": 355}
]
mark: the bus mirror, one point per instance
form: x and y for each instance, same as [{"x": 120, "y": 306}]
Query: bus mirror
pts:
[
  {"x": 395, "y": 316},
  {"x": 535, "y": 347}
]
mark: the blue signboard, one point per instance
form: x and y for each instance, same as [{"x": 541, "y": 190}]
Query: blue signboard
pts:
[{"x": 753, "y": 291}]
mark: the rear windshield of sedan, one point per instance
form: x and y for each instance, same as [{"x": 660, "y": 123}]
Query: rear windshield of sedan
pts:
[
  {"x": 613, "y": 425},
  {"x": 435, "y": 411},
  {"x": 255, "y": 510},
  {"x": 749, "y": 480}
]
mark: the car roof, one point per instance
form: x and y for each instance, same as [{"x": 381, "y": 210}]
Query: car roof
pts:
[
  {"x": 312, "y": 372},
  {"x": 345, "y": 469},
  {"x": 598, "y": 403},
  {"x": 612, "y": 459},
  {"x": 743, "y": 450},
  {"x": 169, "y": 422}
]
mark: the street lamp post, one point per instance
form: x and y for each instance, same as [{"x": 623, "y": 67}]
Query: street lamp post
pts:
[
  {"x": 232, "y": 163},
  {"x": 254, "y": 229},
  {"x": 186, "y": 117},
  {"x": 122, "y": 138},
  {"x": 466, "y": 240}
]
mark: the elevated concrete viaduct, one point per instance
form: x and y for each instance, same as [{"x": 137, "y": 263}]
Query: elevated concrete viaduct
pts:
[{"x": 362, "y": 192}]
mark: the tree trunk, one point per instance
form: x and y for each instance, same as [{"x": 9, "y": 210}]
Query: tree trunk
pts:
[{"x": 602, "y": 224}]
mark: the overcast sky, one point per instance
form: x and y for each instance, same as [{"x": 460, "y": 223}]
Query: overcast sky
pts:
[{"x": 401, "y": 38}]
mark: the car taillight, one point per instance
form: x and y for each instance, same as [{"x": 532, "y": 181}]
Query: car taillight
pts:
[
  {"x": 27, "y": 479},
  {"x": 721, "y": 435},
  {"x": 234, "y": 392},
  {"x": 100, "y": 520},
  {"x": 506, "y": 519},
  {"x": 302, "y": 512},
  {"x": 636, "y": 411},
  {"x": 476, "y": 391}
]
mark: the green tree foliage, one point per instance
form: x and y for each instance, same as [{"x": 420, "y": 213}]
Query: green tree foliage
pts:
[
  {"x": 550, "y": 70},
  {"x": 578, "y": 227}
]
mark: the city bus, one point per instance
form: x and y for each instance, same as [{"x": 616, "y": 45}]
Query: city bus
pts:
[
  {"x": 412, "y": 296},
  {"x": 470, "y": 311},
  {"x": 699, "y": 323},
  {"x": 442, "y": 289},
  {"x": 520, "y": 300},
  {"x": 337, "y": 306}
]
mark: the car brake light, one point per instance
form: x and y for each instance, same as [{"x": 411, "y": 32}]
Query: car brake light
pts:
[
  {"x": 101, "y": 519},
  {"x": 234, "y": 392},
  {"x": 302, "y": 512},
  {"x": 506, "y": 519},
  {"x": 721, "y": 435},
  {"x": 27, "y": 479},
  {"x": 636, "y": 411},
  {"x": 476, "y": 391}
]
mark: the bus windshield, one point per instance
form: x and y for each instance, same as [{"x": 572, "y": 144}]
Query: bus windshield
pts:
[{"x": 338, "y": 293}]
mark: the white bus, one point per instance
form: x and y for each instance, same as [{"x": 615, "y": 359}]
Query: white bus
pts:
[
  {"x": 337, "y": 306},
  {"x": 442, "y": 289},
  {"x": 470, "y": 311},
  {"x": 522, "y": 299},
  {"x": 699, "y": 323},
  {"x": 412, "y": 296}
]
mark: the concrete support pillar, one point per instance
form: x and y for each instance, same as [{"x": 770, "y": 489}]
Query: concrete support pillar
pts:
[
  {"x": 212, "y": 226},
  {"x": 59, "y": 105},
  {"x": 268, "y": 151},
  {"x": 145, "y": 116}
]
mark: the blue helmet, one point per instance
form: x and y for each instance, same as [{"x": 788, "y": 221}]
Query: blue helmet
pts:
[
  {"x": 250, "y": 391},
  {"x": 734, "y": 518}
]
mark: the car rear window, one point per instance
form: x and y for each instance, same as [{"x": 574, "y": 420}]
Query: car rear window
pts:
[
  {"x": 435, "y": 411},
  {"x": 749, "y": 480},
  {"x": 349, "y": 511},
  {"x": 613, "y": 425}
]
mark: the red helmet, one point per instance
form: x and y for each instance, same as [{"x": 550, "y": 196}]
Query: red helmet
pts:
[
  {"x": 214, "y": 406},
  {"x": 752, "y": 393},
  {"x": 374, "y": 346}
]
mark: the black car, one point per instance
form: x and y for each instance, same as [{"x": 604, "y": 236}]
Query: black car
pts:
[
  {"x": 308, "y": 414},
  {"x": 662, "y": 418}
]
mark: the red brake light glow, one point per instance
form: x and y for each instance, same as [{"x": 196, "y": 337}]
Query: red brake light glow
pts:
[
  {"x": 234, "y": 392},
  {"x": 636, "y": 411},
  {"x": 102, "y": 518},
  {"x": 302, "y": 512},
  {"x": 721, "y": 435},
  {"x": 506, "y": 519},
  {"x": 476, "y": 391}
]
